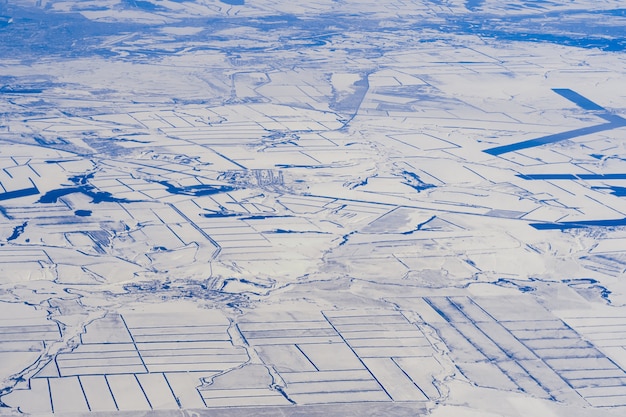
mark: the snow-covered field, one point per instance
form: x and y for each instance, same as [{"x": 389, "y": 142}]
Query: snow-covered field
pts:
[{"x": 411, "y": 208}]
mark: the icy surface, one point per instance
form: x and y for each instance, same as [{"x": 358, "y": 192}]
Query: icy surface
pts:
[{"x": 317, "y": 208}]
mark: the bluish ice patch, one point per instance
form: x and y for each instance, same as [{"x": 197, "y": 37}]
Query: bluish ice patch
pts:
[
  {"x": 580, "y": 101},
  {"x": 37, "y": 31},
  {"x": 234, "y": 2},
  {"x": 97, "y": 197},
  {"x": 25, "y": 192},
  {"x": 345, "y": 238},
  {"x": 83, "y": 213},
  {"x": 499, "y": 150},
  {"x": 34, "y": 32},
  {"x": 471, "y": 263},
  {"x": 225, "y": 214},
  {"x": 132, "y": 140},
  {"x": 615, "y": 12},
  {"x": 619, "y": 121},
  {"x": 579, "y": 224},
  {"x": 5, "y": 213},
  {"x": 473, "y": 5},
  {"x": 82, "y": 179},
  {"x": 360, "y": 183},
  {"x": 413, "y": 180},
  {"x": 605, "y": 44},
  {"x": 17, "y": 231},
  {"x": 7, "y": 89},
  {"x": 549, "y": 139},
  {"x": 247, "y": 281},
  {"x": 90, "y": 8},
  {"x": 618, "y": 191},
  {"x": 589, "y": 288},
  {"x": 615, "y": 190},
  {"x": 586, "y": 104},
  {"x": 587, "y": 177},
  {"x": 420, "y": 226},
  {"x": 143, "y": 5},
  {"x": 48, "y": 141},
  {"x": 81, "y": 186},
  {"x": 568, "y": 27},
  {"x": 276, "y": 139},
  {"x": 197, "y": 190},
  {"x": 262, "y": 217},
  {"x": 287, "y": 231},
  {"x": 300, "y": 166},
  {"x": 218, "y": 214},
  {"x": 507, "y": 283},
  {"x": 273, "y": 21}
]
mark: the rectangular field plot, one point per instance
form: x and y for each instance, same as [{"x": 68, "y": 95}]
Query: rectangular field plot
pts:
[
  {"x": 394, "y": 380},
  {"x": 128, "y": 393},
  {"x": 98, "y": 393},
  {"x": 534, "y": 352},
  {"x": 67, "y": 395},
  {"x": 331, "y": 356},
  {"x": 288, "y": 332},
  {"x": 286, "y": 358}
]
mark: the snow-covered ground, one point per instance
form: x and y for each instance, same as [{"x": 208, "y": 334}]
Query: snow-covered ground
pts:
[{"x": 318, "y": 208}]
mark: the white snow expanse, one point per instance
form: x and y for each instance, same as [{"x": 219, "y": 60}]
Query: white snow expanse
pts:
[{"x": 316, "y": 208}]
